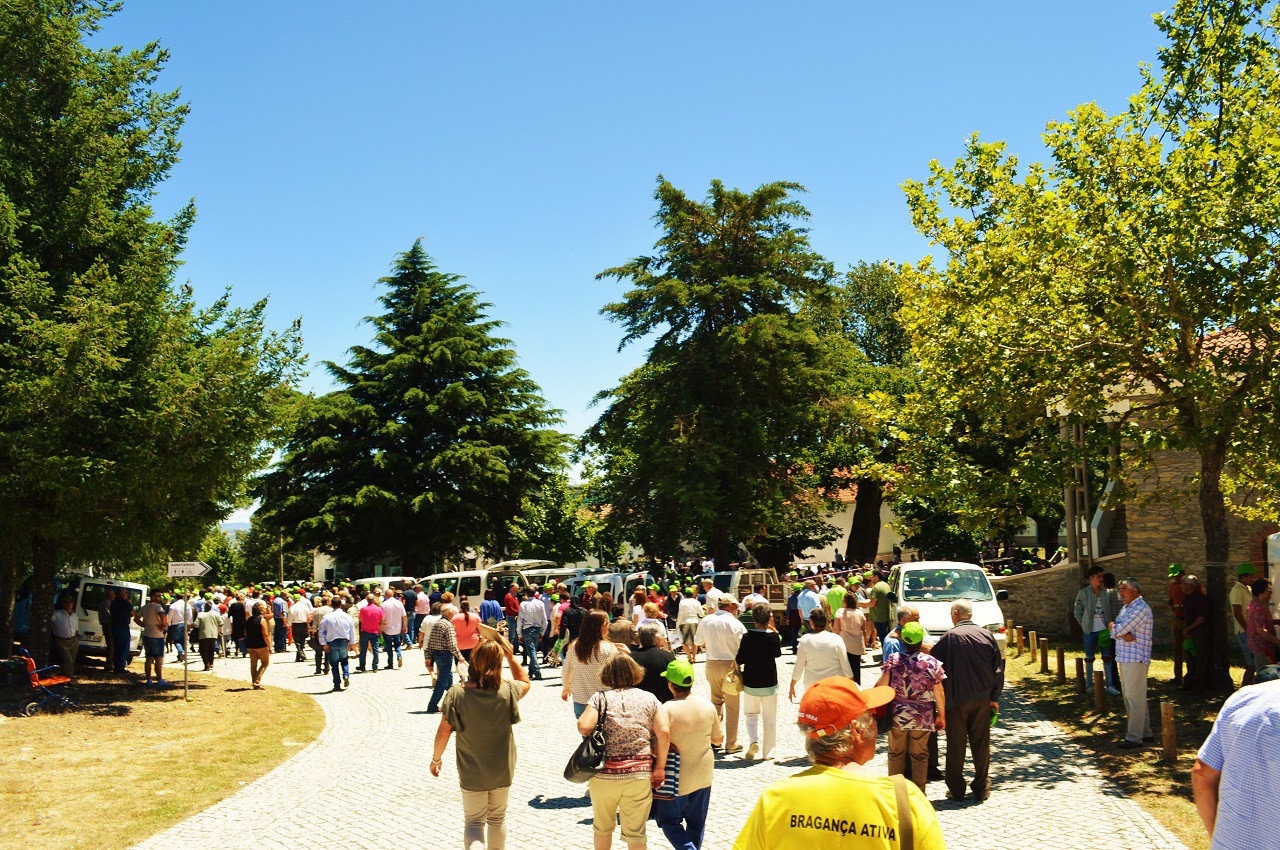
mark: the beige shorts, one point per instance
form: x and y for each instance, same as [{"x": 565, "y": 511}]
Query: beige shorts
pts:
[{"x": 688, "y": 631}]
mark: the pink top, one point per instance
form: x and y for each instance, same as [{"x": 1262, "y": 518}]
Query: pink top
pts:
[
  {"x": 467, "y": 629},
  {"x": 1259, "y": 620},
  {"x": 371, "y": 619},
  {"x": 423, "y": 605}
]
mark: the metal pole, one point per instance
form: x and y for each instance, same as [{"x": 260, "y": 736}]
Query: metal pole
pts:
[
  {"x": 280, "y": 572},
  {"x": 1069, "y": 499},
  {"x": 186, "y": 646}
]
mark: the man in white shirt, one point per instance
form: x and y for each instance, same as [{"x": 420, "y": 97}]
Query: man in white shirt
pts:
[
  {"x": 531, "y": 625},
  {"x": 66, "y": 643},
  {"x": 299, "y": 615},
  {"x": 180, "y": 615},
  {"x": 393, "y": 625},
  {"x": 820, "y": 655},
  {"x": 711, "y": 592},
  {"x": 688, "y": 615},
  {"x": 719, "y": 634}
]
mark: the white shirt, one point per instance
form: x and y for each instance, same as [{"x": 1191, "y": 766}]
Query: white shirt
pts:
[
  {"x": 820, "y": 655},
  {"x": 181, "y": 613},
  {"x": 713, "y": 597},
  {"x": 754, "y": 599},
  {"x": 392, "y": 616},
  {"x": 689, "y": 612},
  {"x": 64, "y": 624},
  {"x": 720, "y": 634},
  {"x": 300, "y": 611}
]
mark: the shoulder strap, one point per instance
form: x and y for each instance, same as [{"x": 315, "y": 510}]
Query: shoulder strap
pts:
[{"x": 906, "y": 828}]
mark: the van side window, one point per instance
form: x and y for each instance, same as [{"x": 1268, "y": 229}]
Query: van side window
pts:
[
  {"x": 470, "y": 586},
  {"x": 447, "y": 585}
]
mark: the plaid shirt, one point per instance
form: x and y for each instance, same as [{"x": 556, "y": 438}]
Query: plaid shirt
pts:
[
  {"x": 443, "y": 639},
  {"x": 1135, "y": 619}
]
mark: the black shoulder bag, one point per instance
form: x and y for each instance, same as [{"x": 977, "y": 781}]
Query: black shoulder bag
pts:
[{"x": 588, "y": 758}]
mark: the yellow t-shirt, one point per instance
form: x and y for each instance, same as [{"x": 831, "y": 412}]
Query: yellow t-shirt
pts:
[
  {"x": 1240, "y": 595},
  {"x": 828, "y": 808}
]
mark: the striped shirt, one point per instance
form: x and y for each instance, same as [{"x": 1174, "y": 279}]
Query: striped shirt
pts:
[
  {"x": 584, "y": 679},
  {"x": 1135, "y": 619}
]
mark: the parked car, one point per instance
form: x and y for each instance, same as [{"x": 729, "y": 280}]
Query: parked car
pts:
[{"x": 932, "y": 586}]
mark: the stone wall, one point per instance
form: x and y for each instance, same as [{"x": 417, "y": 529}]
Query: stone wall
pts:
[{"x": 1044, "y": 600}]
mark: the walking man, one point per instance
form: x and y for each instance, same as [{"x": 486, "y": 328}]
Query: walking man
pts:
[
  {"x": 280, "y": 631},
  {"x": 337, "y": 631},
  {"x": 207, "y": 630},
  {"x": 719, "y": 634},
  {"x": 299, "y": 614},
  {"x": 393, "y": 626},
  {"x": 1133, "y": 631},
  {"x": 510, "y": 613},
  {"x": 974, "y": 668},
  {"x": 370, "y": 630},
  {"x": 531, "y": 625},
  {"x": 318, "y": 614}
]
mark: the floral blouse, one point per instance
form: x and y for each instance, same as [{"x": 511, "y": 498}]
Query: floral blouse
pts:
[
  {"x": 1258, "y": 618},
  {"x": 912, "y": 678}
]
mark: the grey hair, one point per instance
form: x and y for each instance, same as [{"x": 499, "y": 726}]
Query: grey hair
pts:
[
  {"x": 905, "y": 610},
  {"x": 649, "y": 634},
  {"x": 447, "y": 611},
  {"x": 963, "y": 607},
  {"x": 838, "y": 743},
  {"x": 1190, "y": 579},
  {"x": 1132, "y": 584}
]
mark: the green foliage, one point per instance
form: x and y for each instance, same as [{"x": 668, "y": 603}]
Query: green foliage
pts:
[
  {"x": 1135, "y": 272},
  {"x": 938, "y": 533},
  {"x": 431, "y": 446},
  {"x": 553, "y": 524},
  {"x": 713, "y": 439},
  {"x": 132, "y": 417},
  {"x": 258, "y": 554}
]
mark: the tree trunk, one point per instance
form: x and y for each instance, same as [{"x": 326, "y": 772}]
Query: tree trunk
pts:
[
  {"x": 721, "y": 547},
  {"x": 44, "y": 562},
  {"x": 864, "y": 530},
  {"x": 8, "y": 587},
  {"x": 1217, "y": 549}
]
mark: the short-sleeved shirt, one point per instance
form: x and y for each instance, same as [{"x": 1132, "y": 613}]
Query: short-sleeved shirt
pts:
[
  {"x": 654, "y": 660},
  {"x": 393, "y": 615},
  {"x": 851, "y": 620},
  {"x": 152, "y": 615},
  {"x": 584, "y": 677},
  {"x": 880, "y": 603},
  {"x": 1240, "y": 595},
  {"x": 835, "y": 597},
  {"x": 628, "y": 731},
  {"x": 693, "y": 722},
  {"x": 912, "y": 678},
  {"x": 831, "y": 808},
  {"x": 809, "y": 601},
  {"x": 482, "y": 721},
  {"x": 121, "y": 611},
  {"x": 1243, "y": 746},
  {"x": 371, "y": 618},
  {"x": 1259, "y": 618}
]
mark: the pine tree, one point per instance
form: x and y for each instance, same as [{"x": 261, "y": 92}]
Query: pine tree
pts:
[{"x": 432, "y": 442}]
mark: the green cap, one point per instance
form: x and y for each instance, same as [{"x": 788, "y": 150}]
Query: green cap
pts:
[
  {"x": 1246, "y": 569},
  {"x": 590, "y": 584},
  {"x": 798, "y": 586},
  {"x": 548, "y": 586},
  {"x": 912, "y": 634},
  {"x": 679, "y": 672},
  {"x": 653, "y": 587},
  {"x": 555, "y": 597},
  {"x": 208, "y": 596},
  {"x": 1175, "y": 570},
  {"x": 692, "y": 591}
]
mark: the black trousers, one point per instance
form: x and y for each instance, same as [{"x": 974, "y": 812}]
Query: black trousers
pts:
[
  {"x": 300, "y": 640},
  {"x": 969, "y": 728},
  {"x": 207, "y": 647}
]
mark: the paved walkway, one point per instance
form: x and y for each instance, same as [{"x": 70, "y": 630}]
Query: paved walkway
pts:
[{"x": 364, "y": 782}]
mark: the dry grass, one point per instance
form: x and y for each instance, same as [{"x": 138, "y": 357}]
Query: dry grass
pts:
[
  {"x": 132, "y": 760},
  {"x": 1162, "y": 789}
]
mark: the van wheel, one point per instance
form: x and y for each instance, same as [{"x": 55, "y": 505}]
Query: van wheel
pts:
[{"x": 31, "y": 709}]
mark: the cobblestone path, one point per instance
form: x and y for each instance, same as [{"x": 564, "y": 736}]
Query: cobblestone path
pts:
[{"x": 364, "y": 782}]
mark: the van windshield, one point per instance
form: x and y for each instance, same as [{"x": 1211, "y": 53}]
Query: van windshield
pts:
[
  {"x": 946, "y": 586},
  {"x": 92, "y": 593}
]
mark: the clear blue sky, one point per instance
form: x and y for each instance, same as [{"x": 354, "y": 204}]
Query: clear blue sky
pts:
[{"x": 521, "y": 141}]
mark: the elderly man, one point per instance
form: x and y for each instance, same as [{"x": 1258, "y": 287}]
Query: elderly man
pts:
[
  {"x": 1095, "y": 607},
  {"x": 1195, "y": 607},
  {"x": 720, "y": 634},
  {"x": 975, "y": 678},
  {"x": 809, "y": 601},
  {"x": 838, "y": 796},
  {"x": 1236, "y": 769},
  {"x": 1133, "y": 630},
  {"x": 336, "y": 633},
  {"x": 299, "y": 616},
  {"x": 531, "y": 625},
  {"x": 711, "y": 593},
  {"x": 66, "y": 641}
]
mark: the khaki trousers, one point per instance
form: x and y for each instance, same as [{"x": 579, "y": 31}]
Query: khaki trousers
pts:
[
  {"x": 630, "y": 798},
  {"x": 909, "y": 754},
  {"x": 67, "y": 649},
  {"x": 259, "y": 660},
  {"x": 716, "y": 671},
  {"x": 483, "y": 810}
]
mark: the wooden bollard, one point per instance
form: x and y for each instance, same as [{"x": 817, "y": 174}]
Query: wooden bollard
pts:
[
  {"x": 1032, "y": 644},
  {"x": 1169, "y": 732},
  {"x": 1044, "y": 655},
  {"x": 1008, "y": 634},
  {"x": 1062, "y": 666},
  {"x": 1099, "y": 692},
  {"x": 1080, "y": 685},
  {"x": 1018, "y": 654}
]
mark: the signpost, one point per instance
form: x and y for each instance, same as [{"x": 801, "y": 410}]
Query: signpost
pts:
[{"x": 186, "y": 569}]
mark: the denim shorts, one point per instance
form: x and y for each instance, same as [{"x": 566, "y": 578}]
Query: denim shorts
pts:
[{"x": 153, "y": 647}]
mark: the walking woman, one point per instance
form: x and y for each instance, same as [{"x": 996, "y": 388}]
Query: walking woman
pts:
[
  {"x": 482, "y": 711},
  {"x": 584, "y": 659},
  {"x": 856, "y": 631},
  {"x": 466, "y": 626},
  {"x": 622, "y": 787},
  {"x": 758, "y": 652},
  {"x": 257, "y": 643}
]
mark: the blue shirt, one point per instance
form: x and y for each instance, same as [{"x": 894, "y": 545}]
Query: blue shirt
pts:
[
  {"x": 336, "y": 625},
  {"x": 278, "y": 606},
  {"x": 890, "y": 646},
  {"x": 1243, "y": 746},
  {"x": 808, "y": 600},
  {"x": 490, "y": 609},
  {"x": 1135, "y": 619}
]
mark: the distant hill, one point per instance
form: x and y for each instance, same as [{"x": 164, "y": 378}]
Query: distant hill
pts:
[{"x": 233, "y": 527}]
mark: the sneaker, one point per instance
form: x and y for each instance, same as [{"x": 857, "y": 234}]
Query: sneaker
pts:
[
  {"x": 1129, "y": 745},
  {"x": 751, "y": 751},
  {"x": 1115, "y": 692},
  {"x": 346, "y": 681}
]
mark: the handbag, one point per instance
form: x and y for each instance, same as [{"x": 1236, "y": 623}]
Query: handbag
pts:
[
  {"x": 588, "y": 758},
  {"x": 732, "y": 682}
]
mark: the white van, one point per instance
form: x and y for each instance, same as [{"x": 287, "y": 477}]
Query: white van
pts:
[
  {"x": 471, "y": 584},
  {"x": 384, "y": 582},
  {"x": 931, "y": 586},
  {"x": 88, "y": 593}
]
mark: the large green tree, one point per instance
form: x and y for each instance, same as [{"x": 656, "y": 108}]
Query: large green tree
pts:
[
  {"x": 432, "y": 443},
  {"x": 714, "y": 439},
  {"x": 132, "y": 417},
  {"x": 1135, "y": 274}
]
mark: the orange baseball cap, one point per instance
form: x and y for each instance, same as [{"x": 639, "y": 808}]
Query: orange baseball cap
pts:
[{"x": 835, "y": 702}]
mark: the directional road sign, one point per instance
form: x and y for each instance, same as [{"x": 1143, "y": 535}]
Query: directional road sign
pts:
[{"x": 187, "y": 569}]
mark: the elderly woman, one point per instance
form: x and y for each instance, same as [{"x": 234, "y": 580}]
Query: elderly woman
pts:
[
  {"x": 482, "y": 711},
  {"x": 820, "y": 655},
  {"x": 840, "y": 738},
  {"x": 1261, "y": 626},
  {"x": 622, "y": 787},
  {"x": 919, "y": 704}
]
